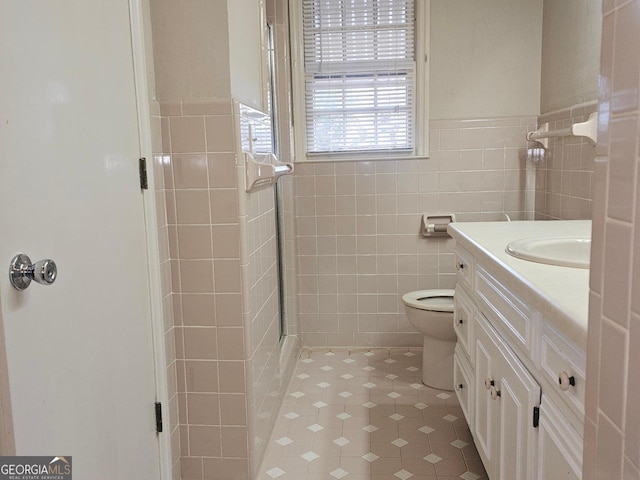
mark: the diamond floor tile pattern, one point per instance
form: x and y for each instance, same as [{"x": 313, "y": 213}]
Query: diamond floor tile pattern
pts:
[{"x": 365, "y": 415}]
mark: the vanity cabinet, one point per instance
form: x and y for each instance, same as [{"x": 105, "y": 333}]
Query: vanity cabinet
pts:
[{"x": 520, "y": 383}]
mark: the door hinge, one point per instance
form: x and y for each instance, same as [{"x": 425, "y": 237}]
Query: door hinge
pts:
[
  {"x": 144, "y": 183},
  {"x": 536, "y": 417},
  {"x": 158, "y": 417}
]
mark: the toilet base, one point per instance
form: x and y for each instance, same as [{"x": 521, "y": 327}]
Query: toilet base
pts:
[{"x": 437, "y": 363}]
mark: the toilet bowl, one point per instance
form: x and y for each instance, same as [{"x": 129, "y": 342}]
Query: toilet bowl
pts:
[{"x": 431, "y": 313}]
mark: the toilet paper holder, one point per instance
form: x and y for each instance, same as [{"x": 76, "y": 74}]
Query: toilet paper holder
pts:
[{"x": 435, "y": 225}]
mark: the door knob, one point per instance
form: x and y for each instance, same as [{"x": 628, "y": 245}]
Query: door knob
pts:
[{"x": 22, "y": 271}]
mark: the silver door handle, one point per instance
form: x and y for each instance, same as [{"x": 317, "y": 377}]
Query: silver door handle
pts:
[{"x": 22, "y": 271}]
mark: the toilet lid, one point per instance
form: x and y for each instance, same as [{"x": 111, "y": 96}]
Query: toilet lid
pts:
[{"x": 432, "y": 300}]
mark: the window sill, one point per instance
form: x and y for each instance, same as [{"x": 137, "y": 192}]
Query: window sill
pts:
[{"x": 363, "y": 157}]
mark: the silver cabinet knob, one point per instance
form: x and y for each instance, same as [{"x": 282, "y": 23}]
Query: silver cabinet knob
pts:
[{"x": 22, "y": 271}]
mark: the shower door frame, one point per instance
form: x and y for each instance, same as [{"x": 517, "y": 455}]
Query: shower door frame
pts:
[{"x": 275, "y": 141}]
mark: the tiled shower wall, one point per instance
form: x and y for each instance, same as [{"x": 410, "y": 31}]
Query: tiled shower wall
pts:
[
  {"x": 200, "y": 181},
  {"x": 612, "y": 424},
  {"x": 229, "y": 369},
  {"x": 357, "y": 223},
  {"x": 270, "y": 362},
  {"x": 564, "y": 177}
]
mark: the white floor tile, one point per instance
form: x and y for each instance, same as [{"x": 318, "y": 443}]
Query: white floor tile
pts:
[
  {"x": 396, "y": 409},
  {"x": 339, "y": 473}
]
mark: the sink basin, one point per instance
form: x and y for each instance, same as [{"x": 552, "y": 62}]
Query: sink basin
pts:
[{"x": 563, "y": 251}]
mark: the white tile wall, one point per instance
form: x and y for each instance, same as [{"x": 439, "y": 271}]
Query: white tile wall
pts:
[
  {"x": 612, "y": 429},
  {"x": 564, "y": 178},
  {"x": 357, "y": 223},
  {"x": 220, "y": 278},
  {"x": 269, "y": 363}
]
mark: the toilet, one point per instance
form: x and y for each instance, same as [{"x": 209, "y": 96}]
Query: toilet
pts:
[{"x": 431, "y": 313}]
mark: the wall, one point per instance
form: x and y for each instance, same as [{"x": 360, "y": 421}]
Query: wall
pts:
[
  {"x": 269, "y": 362},
  {"x": 228, "y": 364},
  {"x": 191, "y": 49},
  {"x": 200, "y": 182},
  {"x": 248, "y": 21},
  {"x": 206, "y": 49},
  {"x": 612, "y": 425},
  {"x": 569, "y": 89},
  {"x": 485, "y": 58},
  {"x": 357, "y": 222},
  {"x": 570, "y": 53},
  {"x": 357, "y": 227},
  {"x": 564, "y": 177},
  {"x": 230, "y": 368}
]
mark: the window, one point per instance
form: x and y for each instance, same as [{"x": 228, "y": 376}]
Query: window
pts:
[{"x": 360, "y": 90}]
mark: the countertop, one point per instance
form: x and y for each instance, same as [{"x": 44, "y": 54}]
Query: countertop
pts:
[{"x": 560, "y": 294}]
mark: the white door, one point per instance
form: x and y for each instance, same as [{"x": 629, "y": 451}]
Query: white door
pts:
[{"x": 80, "y": 351}]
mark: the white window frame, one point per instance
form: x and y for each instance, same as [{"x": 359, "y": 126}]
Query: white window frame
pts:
[{"x": 421, "y": 97}]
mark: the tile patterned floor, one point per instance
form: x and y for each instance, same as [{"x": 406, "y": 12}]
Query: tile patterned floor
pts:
[{"x": 365, "y": 415}]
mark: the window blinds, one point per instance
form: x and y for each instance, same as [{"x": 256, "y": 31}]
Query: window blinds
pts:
[{"x": 359, "y": 75}]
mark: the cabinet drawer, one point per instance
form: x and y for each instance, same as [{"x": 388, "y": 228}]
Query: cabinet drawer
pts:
[
  {"x": 463, "y": 379},
  {"x": 504, "y": 310},
  {"x": 463, "y": 314},
  {"x": 465, "y": 265},
  {"x": 561, "y": 361}
]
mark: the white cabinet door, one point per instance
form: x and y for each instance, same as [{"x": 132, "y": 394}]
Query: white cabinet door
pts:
[
  {"x": 505, "y": 395},
  {"x": 519, "y": 394},
  {"x": 485, "y": 408},
  {"x": 559, "y": 454},
  {"x": 463, "y": 381}
]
